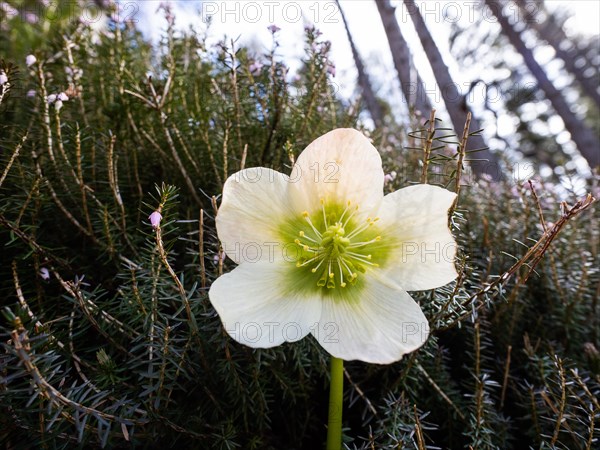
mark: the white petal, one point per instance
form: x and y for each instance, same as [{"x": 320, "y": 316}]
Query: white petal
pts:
[
  {"x": 418, "y": 217},
  {"x": 254, "y": 204},
  {"x": 341, "y": 166},
  {"x": 379, "y": 326},
  {"x": 257, "y": 311}
]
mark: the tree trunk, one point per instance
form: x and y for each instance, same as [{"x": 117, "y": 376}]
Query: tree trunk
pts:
[
  {"x": 412, "y": 89},
  {"x": 455, "y": 102},
  {"x": 554, "y": 35},
  {"x": 371, "y": 102},
  {"x": 585, "y": 139}
]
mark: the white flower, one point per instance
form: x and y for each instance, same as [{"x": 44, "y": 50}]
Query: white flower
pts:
[
  {"x": 51, "y": 98},
  {"x": 30, "y": 60},
  {"x": 3, "y": 78},
  {"x": 44, "y": 273},
  {"x": 322, "y": 251},
  {"x": 63, "y": 97},
  {"x": 58, "y": 104}
]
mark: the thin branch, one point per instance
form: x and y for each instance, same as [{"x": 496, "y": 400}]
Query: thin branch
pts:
[
  {"x": 12, "y": 159},
  {"x": 427, "y": 146}
]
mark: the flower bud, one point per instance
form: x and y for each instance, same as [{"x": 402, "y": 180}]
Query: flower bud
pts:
[
  {"x": 255, "y": 68},
  {"x": 30, "y": 60},
  {"x": 331, "y": 69},
  {"x": 155, "y": 219},
  {"x": 44, "y": 273},
  {"x": 3, "y": 78}
]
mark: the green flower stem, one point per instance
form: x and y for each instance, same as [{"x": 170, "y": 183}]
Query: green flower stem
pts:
[{"x": 336, "y": 400}]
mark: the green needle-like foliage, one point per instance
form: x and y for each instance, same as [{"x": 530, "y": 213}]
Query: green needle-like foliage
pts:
[{"x": 109, "y": 339}]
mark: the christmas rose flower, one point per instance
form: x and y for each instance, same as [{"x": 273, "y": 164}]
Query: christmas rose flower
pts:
[{"x": 323, "y": 252}]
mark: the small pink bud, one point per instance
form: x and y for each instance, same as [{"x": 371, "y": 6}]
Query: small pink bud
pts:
[
  {"x": 44, "y": 273},
  {"x": 31, "y": 93},
  {"x": 331, "y": 69},
  {"x": 155, "y": 219},
  {"x": 389, "y": 177},
  {"x": 31, "y": 18},
  {"x": 273, "y": 28},
  {"x": 30, "y": 60},
  {"x": 255, "y": 68}
]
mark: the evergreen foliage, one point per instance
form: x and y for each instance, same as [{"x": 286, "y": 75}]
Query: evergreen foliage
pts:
[{"x": 109, "y": 339}]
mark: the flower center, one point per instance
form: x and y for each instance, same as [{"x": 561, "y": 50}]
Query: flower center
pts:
[{"x": 335, "y": 247}]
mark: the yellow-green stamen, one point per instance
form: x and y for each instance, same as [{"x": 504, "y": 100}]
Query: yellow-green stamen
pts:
[{"x": 335, "y": 247}]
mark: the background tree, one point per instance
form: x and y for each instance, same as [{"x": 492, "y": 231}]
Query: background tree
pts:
[
  {"x": 411, "y": 83},
  {"x": 587, "y": 142},
  {"x": 484, "y": 161},
  {"x": 535, "y": 14},
  {"x": 371, "y": 102}
]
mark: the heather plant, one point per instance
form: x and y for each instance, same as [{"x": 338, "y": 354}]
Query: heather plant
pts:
[{"x": 114, "y": 154}]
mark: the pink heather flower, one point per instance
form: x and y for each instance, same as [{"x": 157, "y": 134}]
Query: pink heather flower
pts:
[
  {"x": 31, "y": 93},
  {"x": 63, "y": 97},
  {"x": 312, "y": 29},
  {"x": 31, "y": 18},
  {"x": 44, "y": 273},
  {"x": 8, "y": 10},
  {"x": 51, "y": 98},
  {"x": 74, "y": 74},
  {"x": 166, "y": 7},
  {"x": 256, "y": 67},
  {"x": 331, "y": 69},
  {"x": 30, "y": 60},
  {"x": 273, "y": 28},
  {"x": 155, "y": 219},
  {"x": 389, "y": 177},
  {"x": 3, "y": 78}
]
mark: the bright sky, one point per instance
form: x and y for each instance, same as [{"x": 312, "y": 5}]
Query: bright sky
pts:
[{"x": 249, "y": 20}]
